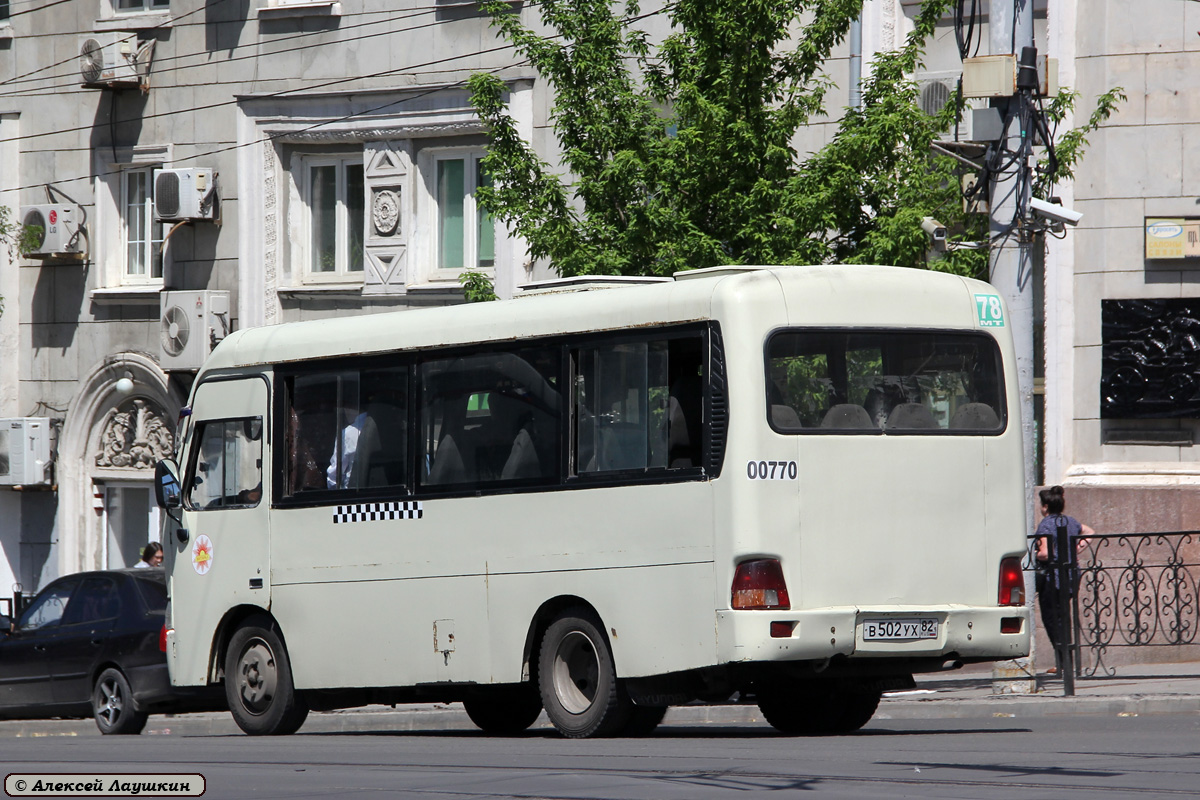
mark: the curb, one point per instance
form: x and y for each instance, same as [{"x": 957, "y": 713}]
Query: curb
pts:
[{"x": 452, "y": 717}]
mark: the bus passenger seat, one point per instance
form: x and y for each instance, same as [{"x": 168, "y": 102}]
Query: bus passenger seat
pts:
[
  {"x": 685, "y": 404},
  {"x": 785, "y": 417},
  {"x": 448, "y": 465},
  {"x": 975, "y": 416},
  {"x": 847, "y": 416},
  {"x": 911, "y": 416},
  {"x": 523, "y": 460}
]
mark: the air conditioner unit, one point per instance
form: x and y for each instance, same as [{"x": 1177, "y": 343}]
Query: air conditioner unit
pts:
[
  {"x": 25, "y": 451},
  {"x": 57, "y": 231},
  {"x": 182, "y": 194},
  {"x": 192, "y": 323},
  {"x": 115, "y": 59}
]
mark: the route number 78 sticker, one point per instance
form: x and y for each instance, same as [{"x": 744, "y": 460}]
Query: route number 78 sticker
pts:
[{"x": 771, "y": 470}]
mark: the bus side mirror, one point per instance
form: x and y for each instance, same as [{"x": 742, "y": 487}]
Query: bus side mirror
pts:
[{"x": 166, "y": 484}]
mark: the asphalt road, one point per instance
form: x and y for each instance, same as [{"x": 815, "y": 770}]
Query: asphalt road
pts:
[{"x": 1061, "y": 758}]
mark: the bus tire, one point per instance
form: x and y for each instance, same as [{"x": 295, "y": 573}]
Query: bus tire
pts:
[
  {"x": 505, "y": 710},
  {"x": 258, "y": 681},
  {"x": 113, "y": 705},
  {"x": 643, "y": 720},
  {"x": 818, "y": 711},
  {"x": 578, "y": 679}
]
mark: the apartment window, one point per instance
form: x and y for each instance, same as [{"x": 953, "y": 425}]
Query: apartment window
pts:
[
  {"x": 143, "y": 236},
  {"x": 334, "y": 196},
  {"x": 125, "y": 6},
  {"x": 466, "y": 233}
]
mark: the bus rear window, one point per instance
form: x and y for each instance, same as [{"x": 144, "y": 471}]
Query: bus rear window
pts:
[{"x": 884, "y": 381}]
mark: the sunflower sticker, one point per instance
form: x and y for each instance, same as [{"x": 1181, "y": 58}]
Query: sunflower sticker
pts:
[{"x": 202, "y": 554}]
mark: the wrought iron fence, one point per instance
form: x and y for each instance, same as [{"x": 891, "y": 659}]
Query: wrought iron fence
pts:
[
  {"x": 1135, "y": 590},
  {"x": 12, "y": 607}
]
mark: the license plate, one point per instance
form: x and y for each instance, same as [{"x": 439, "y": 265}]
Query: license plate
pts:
[{"x": 875, "y": 630}]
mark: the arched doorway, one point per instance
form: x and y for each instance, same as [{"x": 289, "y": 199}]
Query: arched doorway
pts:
[{"x": 121, "y": 422}]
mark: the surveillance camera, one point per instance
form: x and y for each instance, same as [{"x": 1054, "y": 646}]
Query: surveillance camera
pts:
[
  {"x": 935, "y": 229},
  {"x": 1055, "y": 212}
]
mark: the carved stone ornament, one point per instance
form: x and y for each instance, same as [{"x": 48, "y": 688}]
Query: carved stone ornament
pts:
[
  {"x": 134, "y": 437},
  {"x": 385, "y": 211}
]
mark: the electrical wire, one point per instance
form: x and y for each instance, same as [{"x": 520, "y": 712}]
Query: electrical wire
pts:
[
  {"x": 134, "y": 35},
  {"x": 163, "y": 65},
  {"x": 282, "y": 93}
]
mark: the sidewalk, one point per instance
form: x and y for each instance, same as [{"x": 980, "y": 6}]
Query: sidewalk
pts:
[{"x": 964, "y": 694}]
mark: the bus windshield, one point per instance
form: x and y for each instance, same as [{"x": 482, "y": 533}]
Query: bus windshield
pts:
[{"x": 884, "y": 381}]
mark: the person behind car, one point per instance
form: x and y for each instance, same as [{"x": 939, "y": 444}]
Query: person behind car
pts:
[{"x": 152, "y": 556}]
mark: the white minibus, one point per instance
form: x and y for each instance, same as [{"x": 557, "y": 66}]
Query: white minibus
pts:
[{"x": 790, "y": 486}]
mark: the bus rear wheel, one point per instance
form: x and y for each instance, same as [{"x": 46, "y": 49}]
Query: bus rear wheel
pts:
[
  {"x": 818, "y": 711},
  {"x": 578, "y": 679},
  {"x": 505, "y": 710},
  {"x": 258, "y": 681}
]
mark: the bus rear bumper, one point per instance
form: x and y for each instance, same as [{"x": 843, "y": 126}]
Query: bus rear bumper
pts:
[{"x": 963, "y": 632}]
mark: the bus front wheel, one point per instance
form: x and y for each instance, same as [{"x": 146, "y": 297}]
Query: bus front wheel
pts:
[
  {"x": 578, "y": 679},
  {"x": 258, "y": 681}
]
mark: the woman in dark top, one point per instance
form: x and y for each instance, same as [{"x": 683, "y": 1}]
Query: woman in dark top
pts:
[{"x": 1053, "y": 504}]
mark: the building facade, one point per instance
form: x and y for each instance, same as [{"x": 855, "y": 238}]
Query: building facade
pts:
[
  {"x": 325, "y": 155},
  {"x": 324, "y": 158}
]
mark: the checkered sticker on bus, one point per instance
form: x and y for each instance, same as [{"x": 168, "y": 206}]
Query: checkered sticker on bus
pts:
[{"x": 373, "y": 512}]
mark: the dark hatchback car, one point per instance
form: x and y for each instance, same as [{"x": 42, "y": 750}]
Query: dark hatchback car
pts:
[{"x": 92, "y": 644}]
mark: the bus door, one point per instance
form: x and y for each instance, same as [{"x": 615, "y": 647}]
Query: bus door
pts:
[{"x": 225, "y": 559}]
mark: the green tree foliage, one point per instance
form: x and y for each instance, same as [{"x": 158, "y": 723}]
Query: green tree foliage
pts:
[
  {"x": 477, "y": 287},
  {"x": 682, "y": 156}
]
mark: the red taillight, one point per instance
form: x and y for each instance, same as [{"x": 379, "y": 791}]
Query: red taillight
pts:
[
  {"x": 759, "y": 585},
  {"x": 1012, "y": 583},
  {"x": 162, "y": 639},
  {"x": 1010, "y": 625}
]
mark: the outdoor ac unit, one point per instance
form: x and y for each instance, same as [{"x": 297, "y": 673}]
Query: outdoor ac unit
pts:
[
  {"x": 57, "y": 231},
  {"x": 114, "y": 59},
  {"x": 181, "y": 194},
  {"x": 192, "y": 323},
  {"x": 24, "y": 451}
]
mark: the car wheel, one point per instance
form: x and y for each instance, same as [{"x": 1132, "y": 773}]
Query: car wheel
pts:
[
  {"x": 113, "y": 705},
  {"x": 258, "y": 681},
  {"x": 505, "y": 710},
  {"x": 578, "y": 679}
]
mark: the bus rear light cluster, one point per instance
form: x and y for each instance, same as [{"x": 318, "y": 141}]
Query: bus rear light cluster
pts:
[
  {"x": 162, "y": 639},
  {"x": 758, "y": 585},
  {"x": 1012, "y": 583}
]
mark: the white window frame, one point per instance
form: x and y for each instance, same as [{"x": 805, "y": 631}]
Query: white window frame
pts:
[
  {"x": 432, "y": 161},
  {"x": 341, "y": 272},
  {"x": 108, "y": 229},
  {"x": 153, "y": 242},
  {"x": 144, "y": 7}
]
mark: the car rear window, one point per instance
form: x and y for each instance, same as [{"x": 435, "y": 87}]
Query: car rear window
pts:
[{"x": 153, "y": 592}]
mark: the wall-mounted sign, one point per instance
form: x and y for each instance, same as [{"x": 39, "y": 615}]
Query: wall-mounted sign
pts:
[{"x": 1172, "y": 237}]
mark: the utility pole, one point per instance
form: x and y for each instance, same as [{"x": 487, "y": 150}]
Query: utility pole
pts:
[{"x": 1010, "y": 24}]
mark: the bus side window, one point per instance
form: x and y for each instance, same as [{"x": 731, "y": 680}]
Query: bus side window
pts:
[
  {"x": 490, "y": 417},
  {"x": 227, "y": 467},
  {"x": 639, "y": 405}
]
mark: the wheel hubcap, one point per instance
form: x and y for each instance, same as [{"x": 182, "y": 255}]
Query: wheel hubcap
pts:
[
  {"x": 576, "y": 672},
  {"x": 257, "y": 677},
  {"x": 111, "y": 702}
]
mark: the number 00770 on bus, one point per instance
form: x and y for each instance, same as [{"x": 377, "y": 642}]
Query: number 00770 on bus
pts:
[{"x": 799, "y": 486}]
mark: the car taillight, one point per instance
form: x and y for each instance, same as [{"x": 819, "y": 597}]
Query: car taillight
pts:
[
  {"x": 1012, "y": 583},
  {"x": 162, "y": 639},
  {"x": 759, "y": 585}
]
